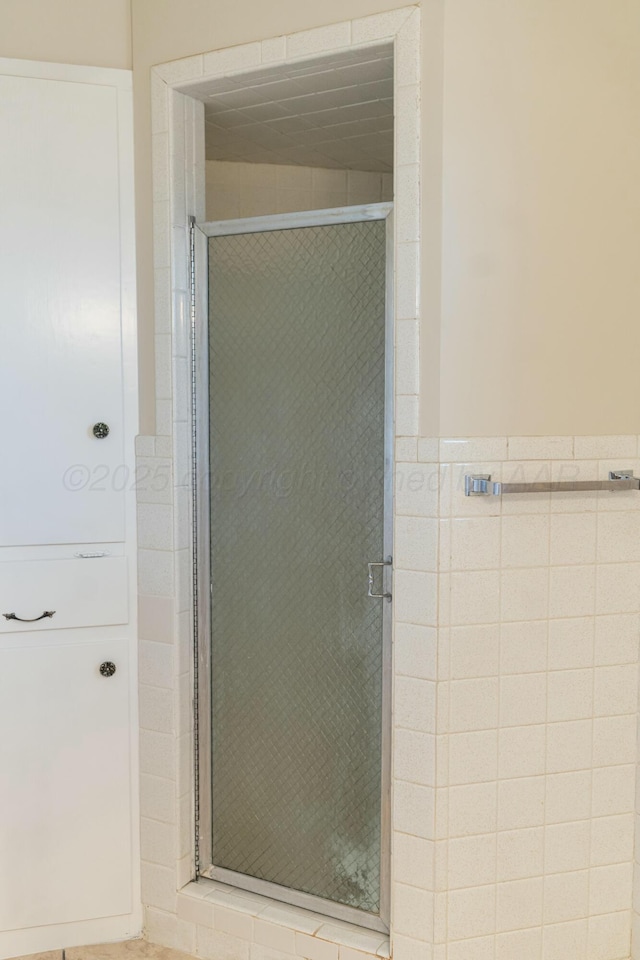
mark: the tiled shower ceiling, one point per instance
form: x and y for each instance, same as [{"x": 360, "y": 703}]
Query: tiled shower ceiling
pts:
[{"x": 334, "y": 111}]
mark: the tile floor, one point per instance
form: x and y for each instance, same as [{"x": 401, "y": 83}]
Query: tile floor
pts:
[{"x": 125, "y": 950}]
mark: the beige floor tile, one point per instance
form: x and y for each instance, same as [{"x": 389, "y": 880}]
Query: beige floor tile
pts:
[
  {"x": 50, "y": 955},
  {"x": 126, "y": 950}
]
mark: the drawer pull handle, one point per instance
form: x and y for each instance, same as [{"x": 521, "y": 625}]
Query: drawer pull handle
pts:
[{"x": 13, "y": 616}]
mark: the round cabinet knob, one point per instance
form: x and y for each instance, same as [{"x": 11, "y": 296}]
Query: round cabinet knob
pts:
[
  {"x": 107, "y": 669},
  {"x": 100, "y": 430}
]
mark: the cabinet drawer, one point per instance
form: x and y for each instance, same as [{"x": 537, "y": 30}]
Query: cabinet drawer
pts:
[{"x": 80, "y": 593}]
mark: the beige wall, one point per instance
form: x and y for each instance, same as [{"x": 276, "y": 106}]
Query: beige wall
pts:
[
  {"x": 541, "y": 248},
  {"x": 530, "y": 116},
  {"x": 92, "y": 32}
]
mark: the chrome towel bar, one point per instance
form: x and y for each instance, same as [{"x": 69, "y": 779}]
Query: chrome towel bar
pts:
[{"x": 480, "y": 485}]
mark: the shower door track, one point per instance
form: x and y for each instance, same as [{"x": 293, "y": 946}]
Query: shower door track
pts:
[{"x": 204, "y": 867}]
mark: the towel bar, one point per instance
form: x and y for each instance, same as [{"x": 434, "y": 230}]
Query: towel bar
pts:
[{"x": 480, "y": 485}]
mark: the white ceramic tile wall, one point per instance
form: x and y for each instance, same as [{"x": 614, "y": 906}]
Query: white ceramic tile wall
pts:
[
  {"x": 257, "y": 189},
  {"x": 193, "y": 919},
  {"x": 537, "y": 704}
]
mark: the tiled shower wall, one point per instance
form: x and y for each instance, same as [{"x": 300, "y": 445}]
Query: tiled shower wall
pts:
[
  {"x": 537, "y": 666},
  {"x": 257, "y": 189}
]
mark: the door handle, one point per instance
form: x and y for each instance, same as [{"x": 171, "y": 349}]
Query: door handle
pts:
[
  {"x": 13, "y": 616},
  {"x": 370, "y": 565}
]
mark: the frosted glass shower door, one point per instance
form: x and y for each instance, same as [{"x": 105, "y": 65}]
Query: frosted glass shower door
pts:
[{"x": 297, "y": 388}]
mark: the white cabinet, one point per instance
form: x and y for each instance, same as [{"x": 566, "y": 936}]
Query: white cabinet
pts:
[
  {"x": 65, "y": 826},
  {"x": 69, "y": 846},
  {"x": 61, "y": 344}
]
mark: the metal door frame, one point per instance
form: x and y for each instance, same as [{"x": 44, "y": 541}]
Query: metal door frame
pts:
[{"x": 199, "y": 236}]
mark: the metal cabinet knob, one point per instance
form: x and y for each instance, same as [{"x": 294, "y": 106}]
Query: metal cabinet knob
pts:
[
  {"x": 107, "y": 669},
  {"x": 100, "y": 430}
]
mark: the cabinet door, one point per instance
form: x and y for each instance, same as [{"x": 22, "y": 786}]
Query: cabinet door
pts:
[
  {"x": 60, "y": 334},
  {"x": 65, "y": 818}
]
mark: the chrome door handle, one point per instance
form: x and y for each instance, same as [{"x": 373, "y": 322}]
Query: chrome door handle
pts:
[
  {"x": 13, "y": 616},
  {"x": 370, "y": 565}
]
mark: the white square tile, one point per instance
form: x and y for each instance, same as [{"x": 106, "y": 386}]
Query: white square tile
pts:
[
  {"x": 524, "y": 594},
  {"x": 428, "y": 450},
  {"x": 319, "y": 40},
  {"x": 407, "y": 288},
  {"x": 416, "y": 489},
  {"x": 412, "y": 912},
  {"x": 156, "y": 663},
  {"x": 414, "y": 757},
  {"x": 571, "y": 643},
  {"x": 570, "y": 694},
  {"x": 473, "y": 757},
  {"x": 519, "y": 904},
  {"x": 468, "y": 449},
  {"x": 568, "y": 746},
  {"x": 416, "y": 543},
  {"x": 521, "y": 803},
  {"x": 407, "y": 120},
  {"x": 617, "y": 588},
  {"x": 613, "y": 789},
  {"x": 562, "y": 940},
  {"x": 523, "y": 699},
  {"x": 573, "y": 538},
  {"x": 471, "y": 861},
  {"x": 614, "y": 740},
  {"x": 473, "y": 948},
  {"x": 567, "y": 846},
  {"x": 406, "y": 415},
  {"x": 617, "y": 638},
  {"x": 572, "y": 591},
  {"x": 520, "y": 853},
  {"x": 610, "y": 888},
  {"x": 180, "y": 71},
  {"x": 619, "y": 536},
  {"x": 415, "y": 651},
  {"x": 568, "y": 796},
  {"x": 474, "y": 651},
  {"x": 471, "y": 912},
  {"x": 472, "y": 809},
  {"x": 475, "y": 597},
  {"x": 523, "y": 944},
  {"x": 407, "y": 204},
  {"x": 413, "y": 860},
  {"x": 274, "y": 49},
  {"x": 232, "y": 60},
  {"x": 415, "y": 704},
  {"x": 597, "y": 448},
  {"x": 540, "y": 448},
  {"x": 566, "y": 896},
  {"x": 475, "y": 543},
  {"x": 609, "y": 936},
  {"x": 522, "y": 751},
  {"x": 414, "y": 809},
  {"x": 612, "y": 839},
  {"x": 473, "y": 704},
  {"x": 525, "y": 541},
  {"x": 523, "y": 647},
  {"x": 615, "y": 690},
  {"x": 414, "y": 597}
]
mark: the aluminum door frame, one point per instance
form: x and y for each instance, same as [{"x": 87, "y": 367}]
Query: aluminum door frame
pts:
[{"x": 200, "y": 485}]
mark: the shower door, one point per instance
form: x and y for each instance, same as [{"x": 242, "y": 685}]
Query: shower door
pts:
[{"x": 295, "y": 559}]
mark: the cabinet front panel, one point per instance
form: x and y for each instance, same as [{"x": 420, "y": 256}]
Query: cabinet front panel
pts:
[
  {"x": 65, "y": 823},
  {"x": 79, "y": 593},
  {"x": 60, "y": 335}
]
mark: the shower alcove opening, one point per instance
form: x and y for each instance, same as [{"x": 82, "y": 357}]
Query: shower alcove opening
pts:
[{"x": 297, "y": 146}]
